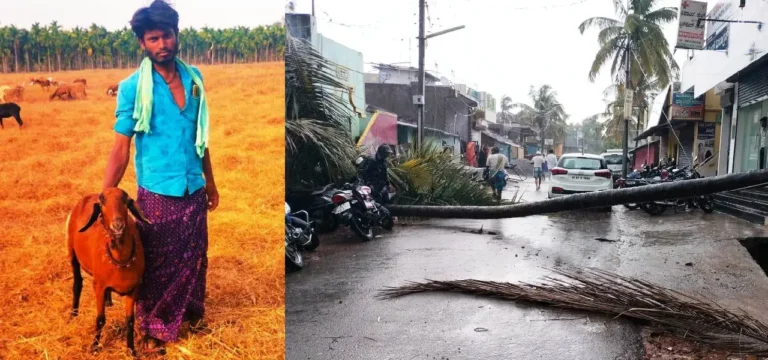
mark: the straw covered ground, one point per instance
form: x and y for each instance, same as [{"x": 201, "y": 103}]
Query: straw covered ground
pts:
[{"x": 61, "y": 155}]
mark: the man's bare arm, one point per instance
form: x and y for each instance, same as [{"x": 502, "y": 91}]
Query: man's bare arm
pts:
[
  {"x": 208, "y": 168},
  {"x": 118, "y": 161}
]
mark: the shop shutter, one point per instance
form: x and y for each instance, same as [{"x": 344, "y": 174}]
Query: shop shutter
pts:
[{"x": 754, "y": 86}]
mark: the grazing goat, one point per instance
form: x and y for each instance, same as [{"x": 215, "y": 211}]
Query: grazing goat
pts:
[
  {"x": 44, "y": 83},
  {"x": 63, "y": 92},
  {"x": 11, "y": 93},
  {"x": 112, "y": 90},
  {"x": 10, "y": 110},
  {"x": 69, "y": 92},
  {"x": 80, "y": 81},
  {"x": 111, "y": 252}
]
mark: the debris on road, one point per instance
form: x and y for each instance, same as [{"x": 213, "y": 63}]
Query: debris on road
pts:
[{"x": 600, "y": 291}]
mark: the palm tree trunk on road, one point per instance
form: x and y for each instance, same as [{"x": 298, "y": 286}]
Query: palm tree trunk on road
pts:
[{"x": 672, "y": 190}]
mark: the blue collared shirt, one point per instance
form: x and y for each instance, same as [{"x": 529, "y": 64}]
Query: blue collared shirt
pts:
[{"x": 166, "y": 161}]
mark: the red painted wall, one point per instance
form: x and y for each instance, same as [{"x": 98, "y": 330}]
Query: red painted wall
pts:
[
  {"x": 643, "y": 155},
  {"x": 382, "y": 130}
]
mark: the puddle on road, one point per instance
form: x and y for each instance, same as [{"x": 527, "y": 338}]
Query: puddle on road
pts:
[{"x": 758, "y": 249}]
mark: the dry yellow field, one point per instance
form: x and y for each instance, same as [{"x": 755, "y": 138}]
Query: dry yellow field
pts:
[{"x": 61, "y": 155}]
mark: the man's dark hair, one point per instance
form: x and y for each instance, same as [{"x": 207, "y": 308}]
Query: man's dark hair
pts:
[
  {"x": 551, "y": 151},
  {"x": 157, "y": 16},
  {"x": 495, "y": 150}
]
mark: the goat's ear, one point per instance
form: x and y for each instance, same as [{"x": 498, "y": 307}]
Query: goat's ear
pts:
[
  {"x": 94, "y": 216},
  {"x": 136, "y": 211}
]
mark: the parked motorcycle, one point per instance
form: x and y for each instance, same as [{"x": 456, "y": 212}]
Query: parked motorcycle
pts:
[
  {"x": 299, "y": 235},
  {"x": 318, "y": 205},
  {"x": 357, "y": 209},
  {"x": 705, "y": 202}
]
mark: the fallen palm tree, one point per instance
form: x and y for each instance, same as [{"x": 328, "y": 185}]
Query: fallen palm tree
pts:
[
  {"x": 656, "y": 192},
  {"x": 603, "y": 292}
]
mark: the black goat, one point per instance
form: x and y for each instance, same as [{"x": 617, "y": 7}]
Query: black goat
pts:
[{"x": 10, "y": 110}]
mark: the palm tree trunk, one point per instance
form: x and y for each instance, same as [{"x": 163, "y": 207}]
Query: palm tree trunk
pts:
[
  {"x": 657, "y": 192},
  {"x": 16, "y": 57}
]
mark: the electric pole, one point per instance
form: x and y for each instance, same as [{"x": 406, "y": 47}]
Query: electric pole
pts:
[
  {"x": 419, "y": 98},
  {"x": 627, "y": 112}
]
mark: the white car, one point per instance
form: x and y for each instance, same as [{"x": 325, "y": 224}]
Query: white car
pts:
[{"x": 579, "y": 173}]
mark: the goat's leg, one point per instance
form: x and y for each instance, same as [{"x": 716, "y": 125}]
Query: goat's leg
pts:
[
  {"x": 130, "y": 300},
  {"x": 100, "y": 292},
  {"x": 17, "y": 116},
  {"x": 108, "y": 298},
  {"x": 77, "y": 285}
]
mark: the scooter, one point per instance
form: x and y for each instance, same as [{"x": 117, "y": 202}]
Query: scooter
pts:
[{"x": 299, "y": 236}]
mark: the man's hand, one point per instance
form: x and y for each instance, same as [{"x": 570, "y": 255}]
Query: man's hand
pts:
[{"x": 213, "y": 196}]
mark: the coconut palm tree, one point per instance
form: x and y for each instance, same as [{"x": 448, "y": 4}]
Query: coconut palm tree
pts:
[
  {"x": 506, "y": 116},
  {"x": 318, "y": 148},
  {"x": 546, "y": 114},
  {"x": 637, "y": 34},
  {"x": 645, "y": 92}
]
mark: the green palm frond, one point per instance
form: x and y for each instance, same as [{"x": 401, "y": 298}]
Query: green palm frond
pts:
[
  {"x": 663, "y": 15},
  {"x": 610, "y": 48},
  {"x": 618, "y": 6},
  {"x": 427, "y": 176},
  {"x": 598, "y": 22}
]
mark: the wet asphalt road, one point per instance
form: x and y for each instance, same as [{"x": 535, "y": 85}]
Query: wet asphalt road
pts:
[{"x": 332, "y": 312}]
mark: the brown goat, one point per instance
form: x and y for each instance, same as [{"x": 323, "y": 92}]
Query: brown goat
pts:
[
  {"x": 112, "y": 90},
  {"x": 63, "y": 92},
  {"x": 44, "y": 83},
  {"x": 15, "y": 93},
  {"x": 69, "y": 92},
  {"x": 111, "y": 252},
  {"x": 78, "y": 91}
]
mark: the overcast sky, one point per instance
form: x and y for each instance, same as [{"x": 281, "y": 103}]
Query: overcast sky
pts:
[
  {"x": 540, "y": 37},
  {"x": 116, "y": 14}
]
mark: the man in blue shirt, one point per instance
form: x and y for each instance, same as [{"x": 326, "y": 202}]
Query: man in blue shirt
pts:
[{"x": 176, "y": 185}]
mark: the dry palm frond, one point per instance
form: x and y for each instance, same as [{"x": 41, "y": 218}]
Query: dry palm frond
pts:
[{"x": 603, "y": 292}]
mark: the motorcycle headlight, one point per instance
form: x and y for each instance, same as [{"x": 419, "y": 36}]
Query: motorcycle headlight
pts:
[{"x": 287, "y": 209}]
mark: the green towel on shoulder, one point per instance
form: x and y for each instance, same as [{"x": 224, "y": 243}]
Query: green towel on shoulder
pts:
[{"x": 142, "y": 111}]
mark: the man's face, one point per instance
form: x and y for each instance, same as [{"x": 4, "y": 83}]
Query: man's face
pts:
[{"x": 160, "y": 45}]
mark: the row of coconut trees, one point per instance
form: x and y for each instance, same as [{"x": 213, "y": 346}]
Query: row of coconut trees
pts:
[{"x": 53, "y": 48}]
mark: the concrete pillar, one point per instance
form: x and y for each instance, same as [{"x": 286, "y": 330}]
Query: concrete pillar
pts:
[{"x": 725, "y": 143}]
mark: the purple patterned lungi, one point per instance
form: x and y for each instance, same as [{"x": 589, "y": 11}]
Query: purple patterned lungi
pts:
[{"x": 175, "y": 249}]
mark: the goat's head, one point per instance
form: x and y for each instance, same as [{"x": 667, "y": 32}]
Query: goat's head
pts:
[{"x": 112, "y": 208}]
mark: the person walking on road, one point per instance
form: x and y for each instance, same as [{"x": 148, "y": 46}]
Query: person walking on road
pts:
[
  {"x": 538, "y": 162},
  {"x": 497, "y": 162},
  {"x": 551, "y": 162}
]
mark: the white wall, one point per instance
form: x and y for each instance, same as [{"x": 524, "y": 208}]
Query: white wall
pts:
[{"x": 708, "y": 68}]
